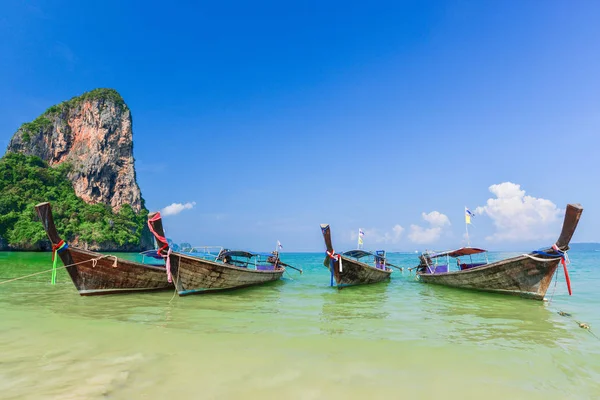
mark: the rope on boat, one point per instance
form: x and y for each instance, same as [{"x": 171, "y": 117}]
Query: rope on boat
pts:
[
  {"x": 539, "y": 259},
  {"x": 53, "y": 269},
  {"x": 554, "y": 289},
  {"x": 176, "y": 283}
]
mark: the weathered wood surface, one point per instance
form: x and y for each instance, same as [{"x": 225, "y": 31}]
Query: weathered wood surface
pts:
[
  {"x": 358, "y": 273},
  {"x": 196, "y": 275},
  {"x": 97, "y": 274},
  {"x": 106, "y": 277},
  {"x": 353, "y": 272},
  {"x": 519, "y": 276},
  {"x": 572, "y": 216}
]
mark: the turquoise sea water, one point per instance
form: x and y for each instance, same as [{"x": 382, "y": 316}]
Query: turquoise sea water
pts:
[{"x": 298, "y": 339}]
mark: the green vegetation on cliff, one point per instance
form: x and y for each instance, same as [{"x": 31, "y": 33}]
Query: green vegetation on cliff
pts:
[
  {"x": 44, "y": 121},
  {"x": 26, "y": 181}
]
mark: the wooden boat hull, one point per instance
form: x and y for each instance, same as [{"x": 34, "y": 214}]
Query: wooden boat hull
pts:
[
  {"x": 195, "y": 275},
  {"x": 97, "y": 274},
  {"x": 519, "y": 276},
  {"x": 351, "y": 272},
  {"x": 527, "y": 276},
  {"x": 357, "y": 273},
  {"x": 93, "y": 276}
]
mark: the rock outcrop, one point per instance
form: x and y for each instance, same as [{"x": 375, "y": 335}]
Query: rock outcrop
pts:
[{"x": 93, "y": 134}]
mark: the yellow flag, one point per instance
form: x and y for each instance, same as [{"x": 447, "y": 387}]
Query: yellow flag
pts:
[{"x": 468, "y": 215}]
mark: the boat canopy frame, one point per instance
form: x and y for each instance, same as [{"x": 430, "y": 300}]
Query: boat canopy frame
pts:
[
  {"x": 252, "y": 258},
  {"x": 463, "y": 251},
  {"x": 360, "y": 253},
  {"x": 433, "y": 257}
]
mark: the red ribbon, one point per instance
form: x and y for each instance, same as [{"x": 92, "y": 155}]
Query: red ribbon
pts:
[
  {"x": 56, "y": 247},
  {"x": 156, "y": 235},
  {"x": 162, "y": 239},
  {"x": 564, "y": 264},
  {"x": 333, "y": 255}
]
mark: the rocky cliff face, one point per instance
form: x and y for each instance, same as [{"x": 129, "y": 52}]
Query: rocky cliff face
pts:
[{"x": 93, "y": 134}]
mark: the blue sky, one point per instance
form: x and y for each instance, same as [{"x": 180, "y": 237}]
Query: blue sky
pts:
[{"x": 273, "y": 117}]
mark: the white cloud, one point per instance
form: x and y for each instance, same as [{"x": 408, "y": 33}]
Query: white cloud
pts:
[
  {"x": 176, "y": 208},
  {"x": 437, "y": 221},
  {"x": 436, "y": 218},
  {"x": 518, "y": 216},
  {"x": 380, "y": 236},
  {"x": 421, "y": 235}
]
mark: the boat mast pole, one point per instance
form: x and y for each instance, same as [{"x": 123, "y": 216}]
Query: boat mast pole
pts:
[{"x": 467, "y": 229}]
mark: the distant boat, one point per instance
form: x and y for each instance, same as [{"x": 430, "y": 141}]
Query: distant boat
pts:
[
  {"x": 95, "y": 273},
  {"x": 229, "y": 269},
  {"x": 528, "y": 275},
  {"x": 349, "y": 268}
]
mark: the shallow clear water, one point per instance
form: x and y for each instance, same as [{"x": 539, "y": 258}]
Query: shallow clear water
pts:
[{"x": 297, "y": 338}]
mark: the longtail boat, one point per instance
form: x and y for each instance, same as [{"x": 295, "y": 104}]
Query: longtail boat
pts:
[
  {"x": 228, "y": 270},
  {"x": 97, "y": 274},
  {"x": 349, "y": 268},
  {"x": 528, "y": 275}
]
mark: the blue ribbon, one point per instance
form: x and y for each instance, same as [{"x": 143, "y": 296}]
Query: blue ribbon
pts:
[
  {"x": 558, "y": 254},
  {"x": 331, "y": 267}
]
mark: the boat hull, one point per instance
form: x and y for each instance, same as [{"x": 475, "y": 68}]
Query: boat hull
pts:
[
  {"x": 195, "y": 275},
  {"x": 99, "y": 274},
  {"x": 519, "y": 276},
  {"x": 357, "y": 273}
]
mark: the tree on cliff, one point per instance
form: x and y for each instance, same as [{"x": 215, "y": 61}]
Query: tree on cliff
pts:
[{"x": 27, "y": 180}]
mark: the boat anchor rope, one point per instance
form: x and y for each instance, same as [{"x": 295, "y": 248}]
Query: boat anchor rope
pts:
[
  {"x": 93, "y": 260},
  {"x": 336, "y": 257},
  {"x": 582, "y": 325}
]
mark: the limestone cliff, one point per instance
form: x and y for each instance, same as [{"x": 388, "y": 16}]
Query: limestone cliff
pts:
[{"x": 93, "y": 133}]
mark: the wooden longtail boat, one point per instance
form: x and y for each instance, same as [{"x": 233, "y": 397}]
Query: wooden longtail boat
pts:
[
  {"x": 347, "y": 269},
  {"x": 96, "y": 274},
  {"x": 528, "y": 275},
  {"x": 193, "y": 274}
]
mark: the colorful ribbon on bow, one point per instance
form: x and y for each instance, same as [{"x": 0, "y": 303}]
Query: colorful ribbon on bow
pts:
[
  {"x": 564, "y": 259},
  {"x": 162, "y": 239},
  {"x": 57, "y": 248},
  {"x": 336, "y": 257}
]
